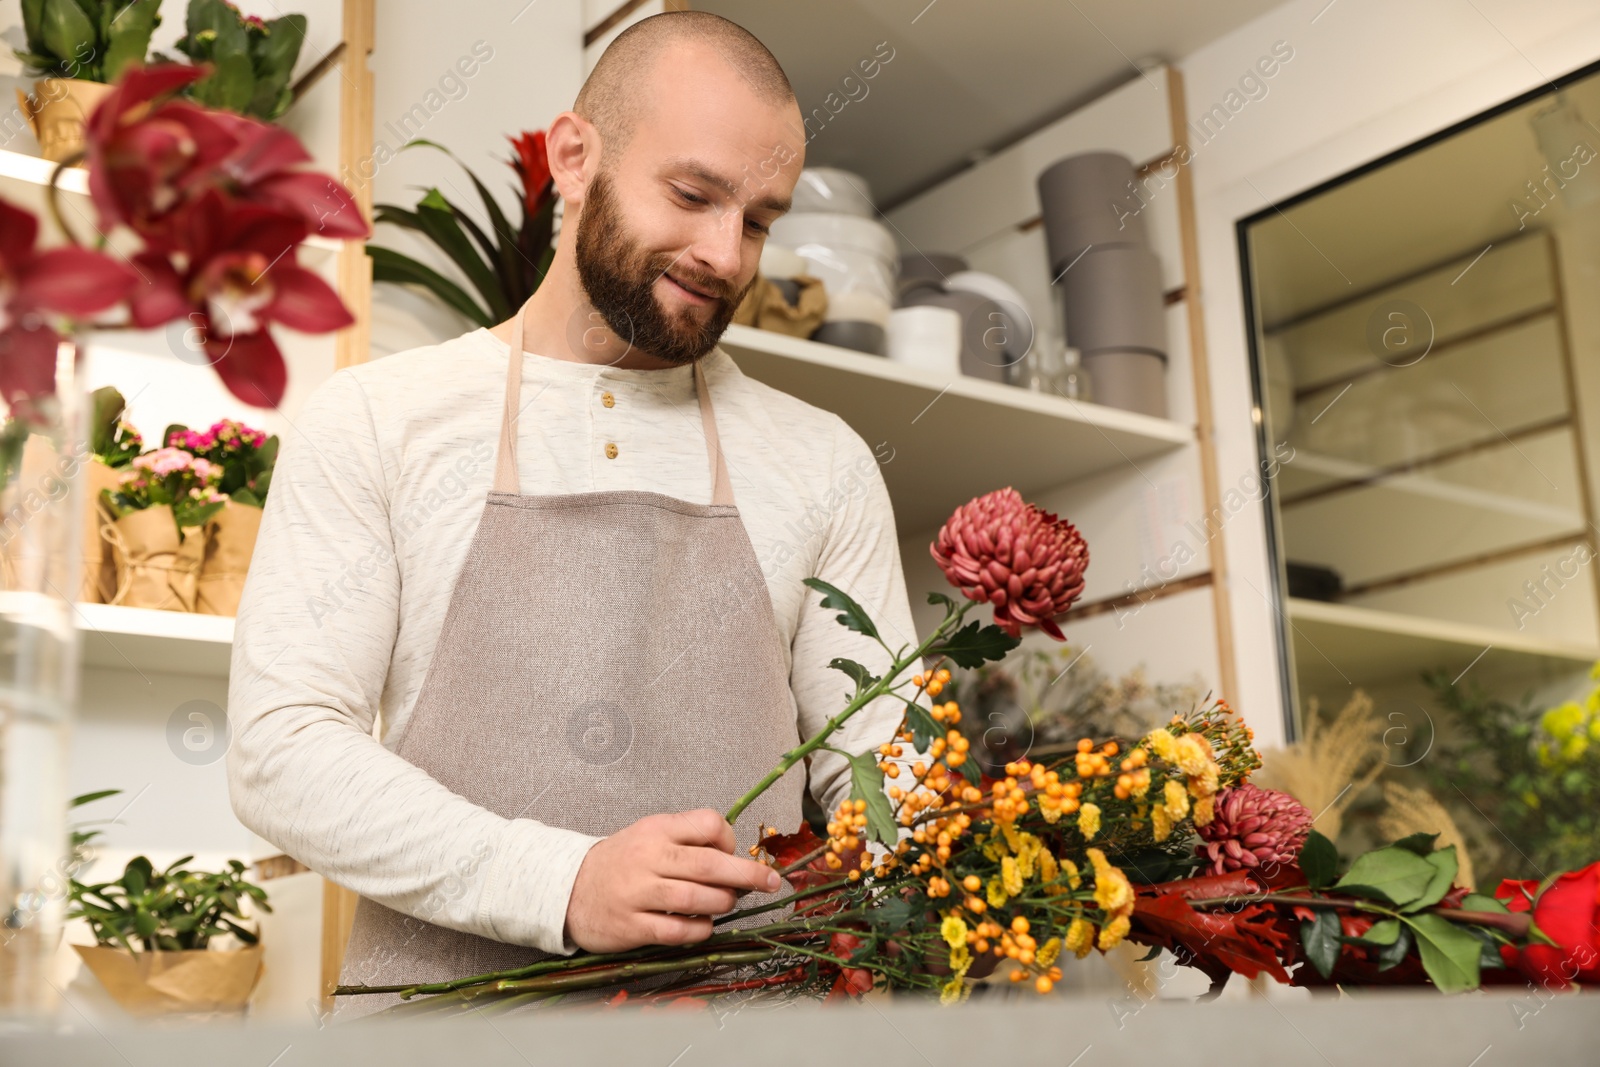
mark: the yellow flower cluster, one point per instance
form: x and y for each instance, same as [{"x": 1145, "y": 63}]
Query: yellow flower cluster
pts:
[
  {"x": 1192, "y": 754},
  {"x": 1569, "y": 729},
  {"x": 1114, "y": 894}
]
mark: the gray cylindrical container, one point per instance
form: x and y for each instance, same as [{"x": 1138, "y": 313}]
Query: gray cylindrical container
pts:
[
  {"x": 1112, "y": 299},
  {"x": 1089, "y": 199}
]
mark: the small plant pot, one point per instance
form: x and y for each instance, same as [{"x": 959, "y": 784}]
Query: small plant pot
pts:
[
  {"x": 160, "y": 983},
  {"x": 59, "y": 111},
  {"x": 230, "y": 541},
  {"x": 155, "y": 569}
]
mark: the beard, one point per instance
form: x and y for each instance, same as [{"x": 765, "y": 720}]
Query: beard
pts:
[{"x": 619, "y": 278}]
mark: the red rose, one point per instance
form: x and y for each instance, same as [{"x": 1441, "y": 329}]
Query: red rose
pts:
[{"x": 1568, "y": 912}]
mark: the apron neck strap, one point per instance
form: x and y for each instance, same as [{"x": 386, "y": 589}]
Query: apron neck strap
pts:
[{"x": 505, "y": 465}]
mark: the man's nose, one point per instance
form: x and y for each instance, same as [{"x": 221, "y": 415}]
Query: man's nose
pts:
[{"x": 720, "y": 244}]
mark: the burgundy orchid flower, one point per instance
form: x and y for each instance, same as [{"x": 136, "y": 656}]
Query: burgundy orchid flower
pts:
[
  {"x": 150, "y": 156},
  {"x": 74, "y": 282},
  {"x": 240, "y": 277}
]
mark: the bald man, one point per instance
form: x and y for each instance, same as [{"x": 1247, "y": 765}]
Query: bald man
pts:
[{"x": 564, "y": 558}]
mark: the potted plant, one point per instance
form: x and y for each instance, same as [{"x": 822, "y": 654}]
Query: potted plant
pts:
[
  {"x": 159, "y": 511},
  {"x": 245, "y": 457},
  {"x": 505, "y": 269},
  {"x": 153, "y": 933},
  {"x": 251, "y": 59},
  {"x": 76, "y": 49}
]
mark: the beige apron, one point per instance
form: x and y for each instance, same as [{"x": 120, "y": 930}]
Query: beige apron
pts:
[{"x": 605, "y": 656}]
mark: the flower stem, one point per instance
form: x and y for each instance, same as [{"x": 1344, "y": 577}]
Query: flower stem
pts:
[{"x": 862, "y": 699}]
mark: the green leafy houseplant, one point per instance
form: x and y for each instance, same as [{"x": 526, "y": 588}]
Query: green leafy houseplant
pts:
[
  {"x": 504, "y": 265},
  {"x": 252, "y": 58},
  {"x": 1530, "y": 778},
  {"x": 171, "y": 910},
  {"x": 245, "y": 456},
  {"x": 88, "y": 40},
  {"x": 168, "y": 477}
]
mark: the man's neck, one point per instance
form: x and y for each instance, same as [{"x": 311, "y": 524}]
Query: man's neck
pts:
[{"x": 560, "y": 323}]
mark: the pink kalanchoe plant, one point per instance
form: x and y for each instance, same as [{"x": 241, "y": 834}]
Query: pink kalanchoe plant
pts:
[
  {"x": 1253, "y": 828},
  {"x": 999, "y": 549}
]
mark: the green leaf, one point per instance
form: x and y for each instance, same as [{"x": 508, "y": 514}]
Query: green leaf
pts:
[
  {"x": 1449, "y": 953},
  {"x": 1320, "y": 936},
  {"x": 866, "y": 783},
  {"x": 509, "y": 258},
  {"x": 1420, "y": 843},
  {"x": 89, "y": 798},
  {"x": 969, "y": 770},
  {"x": 975, "y": 644},
  {"x": 136, "y": 875},
  {"x": 33, "y": 31},
  {"x": 390, "y": 266},
  {"x": 274, "y": 58},
  {"x": 128, "y": 36},
  {"x": 1396, "y": 953},
  {"x": 1384, "y": 932},
  {"x": 1396, "y": 875},
  {"x": 940, "y": 598},
  {"x": 1444, "y": 865},
  {"x": 65, "y": 29},
  {"x": 441, "y": 222},
  {"x": 861, "y": 676},
  {"x": 923, "y": 727},
  {"x": 853, "y": 617},
  {"x": 1481, "y": 902},
  {"x": 1319, "y": 861}
]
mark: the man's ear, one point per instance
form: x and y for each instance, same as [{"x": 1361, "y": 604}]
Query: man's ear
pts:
[{"x": 573, "y": 147}]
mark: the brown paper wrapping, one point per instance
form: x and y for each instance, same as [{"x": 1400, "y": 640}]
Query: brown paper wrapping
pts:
[
  {"x": 154, "y": 568},
  {"x": 26, "y": 512},
  {"x": 154, "y": 983},
  {"x": 99, "y": 583},
  {"x": 764, "y": 308},
  {"x": 230, "y": 541}
]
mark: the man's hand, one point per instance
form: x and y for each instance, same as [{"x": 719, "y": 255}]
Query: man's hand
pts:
[{"x": 659, "y": 881}]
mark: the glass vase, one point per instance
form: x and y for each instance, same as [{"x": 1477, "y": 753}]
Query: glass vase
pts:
[{"x": 41, "y": 523}]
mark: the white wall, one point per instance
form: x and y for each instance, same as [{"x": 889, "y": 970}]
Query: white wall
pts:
[
  {"x": 1367, "y": 77},
  {"x": 526, "y": 59}
]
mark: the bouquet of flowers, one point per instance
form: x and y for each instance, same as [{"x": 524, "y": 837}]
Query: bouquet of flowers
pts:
[{"x": 933, "y": 873}]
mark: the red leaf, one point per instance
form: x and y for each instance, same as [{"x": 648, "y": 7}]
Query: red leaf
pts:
[
  {"x": 1246, "y": 941},
  {"x": 327, "y": 207},
  {"x": 18, "y": 230},
  {"x": 27, "y": 362},
  {"x": 1240, "y": 883},
  {"x": 158, "y": 297}
]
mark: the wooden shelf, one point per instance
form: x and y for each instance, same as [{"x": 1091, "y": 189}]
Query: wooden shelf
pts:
[
  {"x": 1343, "y": 645},
  {"x": 33, "y": 170},
  {"x": 949, "y": 440},
  {"x": 144, "y": 639}
]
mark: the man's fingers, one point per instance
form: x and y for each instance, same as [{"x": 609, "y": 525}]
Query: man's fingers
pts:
[
  {"x": 662, "y": 929},
  {"x": 690, "y": 898},
  {"x": 710, "y": 867},
  {"x": 701, "y": 826}
]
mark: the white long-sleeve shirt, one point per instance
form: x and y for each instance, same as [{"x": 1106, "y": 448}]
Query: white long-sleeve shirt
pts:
[{"x": 375, "y": 498}]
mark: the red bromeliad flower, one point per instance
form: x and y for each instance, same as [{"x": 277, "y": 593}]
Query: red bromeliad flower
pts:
[
  {"x": 1254, "y": 827},
  {"x": 1001, "y": 550},
  {"x": 74, "y": 282},
  {"x": 533, "y": 168},
  {"x": 150, "y": 157},
  {"x": 1568, "y": 912},
  {"x": 240, "y": 276}
]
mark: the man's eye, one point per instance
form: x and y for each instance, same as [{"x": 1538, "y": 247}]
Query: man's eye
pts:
[
  {"x": 756, "y": 225},
  {"x": 690, "y": 197}
]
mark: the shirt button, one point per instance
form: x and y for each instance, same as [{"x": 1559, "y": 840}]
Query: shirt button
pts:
[
  {"x": 611, "y": 450},
  {"x": 607, "y": 399}
]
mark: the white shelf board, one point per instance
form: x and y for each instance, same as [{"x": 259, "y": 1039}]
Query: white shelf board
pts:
[
  {"x": 1340, "y": 644},
  {"x": 952, "y": 439},
  {"x": 34, "y": 170},
  {"x": 146, "y": 639}
]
